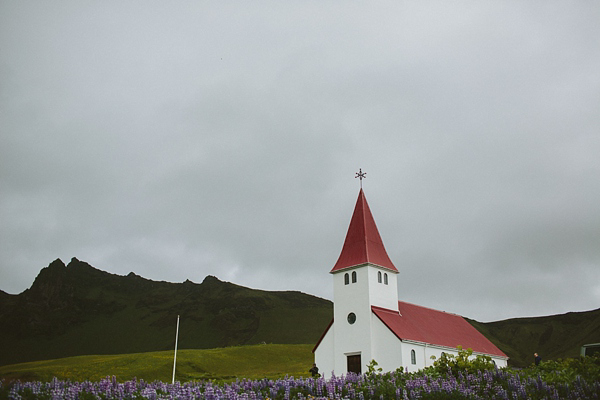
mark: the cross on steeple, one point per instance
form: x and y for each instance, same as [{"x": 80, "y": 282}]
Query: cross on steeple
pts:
[{"x": 361, "y": 175}]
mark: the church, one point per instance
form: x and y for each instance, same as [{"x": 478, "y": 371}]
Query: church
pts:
[{"x": 369, "y": 323}]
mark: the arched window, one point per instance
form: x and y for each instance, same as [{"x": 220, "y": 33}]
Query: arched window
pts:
[
  {"x": 353, "y": 276},
  {"x": 346, "y": 278},
  {"x": 379, "y": 276},
  {"x": 385, "y": 278},
  {"x": 413, "y": 357}
]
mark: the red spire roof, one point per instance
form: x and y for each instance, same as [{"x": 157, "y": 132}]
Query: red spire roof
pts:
[{"x": 363, "y": 243}]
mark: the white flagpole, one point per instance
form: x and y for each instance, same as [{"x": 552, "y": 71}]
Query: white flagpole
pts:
[{"x": 175, "y": 357}]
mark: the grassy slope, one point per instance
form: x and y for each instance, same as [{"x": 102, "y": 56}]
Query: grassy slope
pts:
[
  {"x": 254, "y": 362},
  {"x": 553, "y": 337},
  {"x": 77, "y": 309}
]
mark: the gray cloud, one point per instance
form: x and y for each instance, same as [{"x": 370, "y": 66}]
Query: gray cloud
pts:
[{"x": 180, "y": 140}]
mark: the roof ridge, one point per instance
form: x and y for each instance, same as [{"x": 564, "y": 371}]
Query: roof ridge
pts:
[{"x": 427, "y": 308}]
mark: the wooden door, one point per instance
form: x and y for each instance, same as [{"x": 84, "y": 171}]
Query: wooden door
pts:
[{"x": 354, "y": 364}]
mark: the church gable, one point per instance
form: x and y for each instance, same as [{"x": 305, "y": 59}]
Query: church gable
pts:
[{"x": 425, "y": 325}]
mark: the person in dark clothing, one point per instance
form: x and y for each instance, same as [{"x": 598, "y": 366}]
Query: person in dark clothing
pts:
[
  {"x": 314, "y": 371},
  {"x": 537, "y": 359}
]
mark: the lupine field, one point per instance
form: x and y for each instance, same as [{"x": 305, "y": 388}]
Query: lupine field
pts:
[
  {"x": 448, "y": 379},
  {"x": 482, "y": 385}
]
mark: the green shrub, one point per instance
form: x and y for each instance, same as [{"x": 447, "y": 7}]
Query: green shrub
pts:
[
  {"x": 566, "y": 371},
  {"x": 463, "y": 362}
]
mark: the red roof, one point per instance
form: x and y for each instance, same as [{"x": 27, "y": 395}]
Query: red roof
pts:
[
  {"x": 363, "y": 243},
  {"x": 423, "y": 324}
]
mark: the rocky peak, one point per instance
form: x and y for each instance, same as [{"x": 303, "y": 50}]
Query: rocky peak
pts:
[
  {"x": 209, "y": 279},
  {"x": 51, "y": 283}
]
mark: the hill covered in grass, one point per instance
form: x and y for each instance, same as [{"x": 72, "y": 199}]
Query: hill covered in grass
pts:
[
  {"x": 553, "y": 337},
  {"x": 76, "y": 309},
  {"x": 270, "y": 361}
]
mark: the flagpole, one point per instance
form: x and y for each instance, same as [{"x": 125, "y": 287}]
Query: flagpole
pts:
[{"x": 175, "y": 356}]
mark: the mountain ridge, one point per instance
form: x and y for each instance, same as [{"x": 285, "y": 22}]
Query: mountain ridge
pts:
[
  {"x": 77, "y": 309},
  {"x": 553, "y": 336}
]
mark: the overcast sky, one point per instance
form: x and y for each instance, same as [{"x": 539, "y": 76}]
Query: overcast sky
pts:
[{"x": 192, "y": 138}]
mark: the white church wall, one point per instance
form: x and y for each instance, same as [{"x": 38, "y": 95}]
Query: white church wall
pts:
[
  {"x": 407, "y": 356},
  {"x": 391, "y": 353},
  {"x": 425, "y": 352},
  {"x": 387, "y": 349},
  {"x": 324, "y": 354},
  {"x": 500, "y": 362},
  {"x": 382, "y": 294},
  {"x": 355, "y": 338}
]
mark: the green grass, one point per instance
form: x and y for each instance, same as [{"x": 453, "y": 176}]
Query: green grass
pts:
[
  {"x": 553, "y": 337},
  {"x": 254, "y": 362}
]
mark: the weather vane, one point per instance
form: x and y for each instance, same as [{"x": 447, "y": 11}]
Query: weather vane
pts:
[{"x": 360, "y": 175}]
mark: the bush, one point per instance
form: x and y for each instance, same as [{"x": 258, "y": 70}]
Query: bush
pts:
[
  {"x": 566, "y": 371},
  {"x": 462, "y": 363}
]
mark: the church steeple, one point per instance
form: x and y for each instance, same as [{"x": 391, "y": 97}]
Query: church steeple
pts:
[{"x": 363, "y": 244}]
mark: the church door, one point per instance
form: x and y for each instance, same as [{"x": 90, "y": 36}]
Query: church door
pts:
[{"x": 354, "y": 364}]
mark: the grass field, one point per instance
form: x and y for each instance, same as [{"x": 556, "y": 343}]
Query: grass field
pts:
[{"x": 254, "y": 362}]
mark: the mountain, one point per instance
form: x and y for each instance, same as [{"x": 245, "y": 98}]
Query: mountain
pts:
[
  {"x": 76, "y": 309},
  {"x": 555, "y": 336}
]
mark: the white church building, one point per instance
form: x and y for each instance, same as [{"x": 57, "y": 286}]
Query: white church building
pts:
[{"x": 369, "y": 323}]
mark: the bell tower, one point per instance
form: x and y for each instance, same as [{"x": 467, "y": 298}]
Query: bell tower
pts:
[{"x": 363, "y": 276}]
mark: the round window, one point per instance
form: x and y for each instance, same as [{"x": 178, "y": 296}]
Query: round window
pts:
[{"x": 351, "y": 318}]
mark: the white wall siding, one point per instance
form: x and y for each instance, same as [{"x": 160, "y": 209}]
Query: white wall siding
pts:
[
  {"x": 380, "y": 294},
  {"x": 324, "y": 354},
  {"x": 387, "y": 350},
  {"x": 351, "y": 338}
]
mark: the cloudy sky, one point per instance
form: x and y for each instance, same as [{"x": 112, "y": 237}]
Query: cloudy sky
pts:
[{"x": 182, "y": 139}]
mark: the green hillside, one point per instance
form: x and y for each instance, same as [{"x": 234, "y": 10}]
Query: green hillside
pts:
[
  {"x": 553, "y": 337},
  {"x": 77, "y": 310},
  {"x": 253, "y": 362}
]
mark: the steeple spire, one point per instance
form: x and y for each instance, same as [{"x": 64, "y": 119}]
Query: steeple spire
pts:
[
  {"x": 363, "y": 243},
  {"x": 361, "y": 175}
]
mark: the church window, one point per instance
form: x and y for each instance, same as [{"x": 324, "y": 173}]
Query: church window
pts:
[
  {"x": 413, "y": 357},
  {"x": 379, "y": 276},
  {"x": 346, "y": 278},
  {"x": 353, "y": 276},
  {"x": 351, "y": 318},
  {"x": 385, "y": 278}
]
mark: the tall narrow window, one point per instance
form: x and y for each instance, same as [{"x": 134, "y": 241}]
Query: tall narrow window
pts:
[
  {"x": 413, "y": 357},
  {"x": 379, "y": 276},
  {"x": 353, "y": 276},
  {"x": 346, "y": 278},
  {"x": 385, "y": 278}
]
